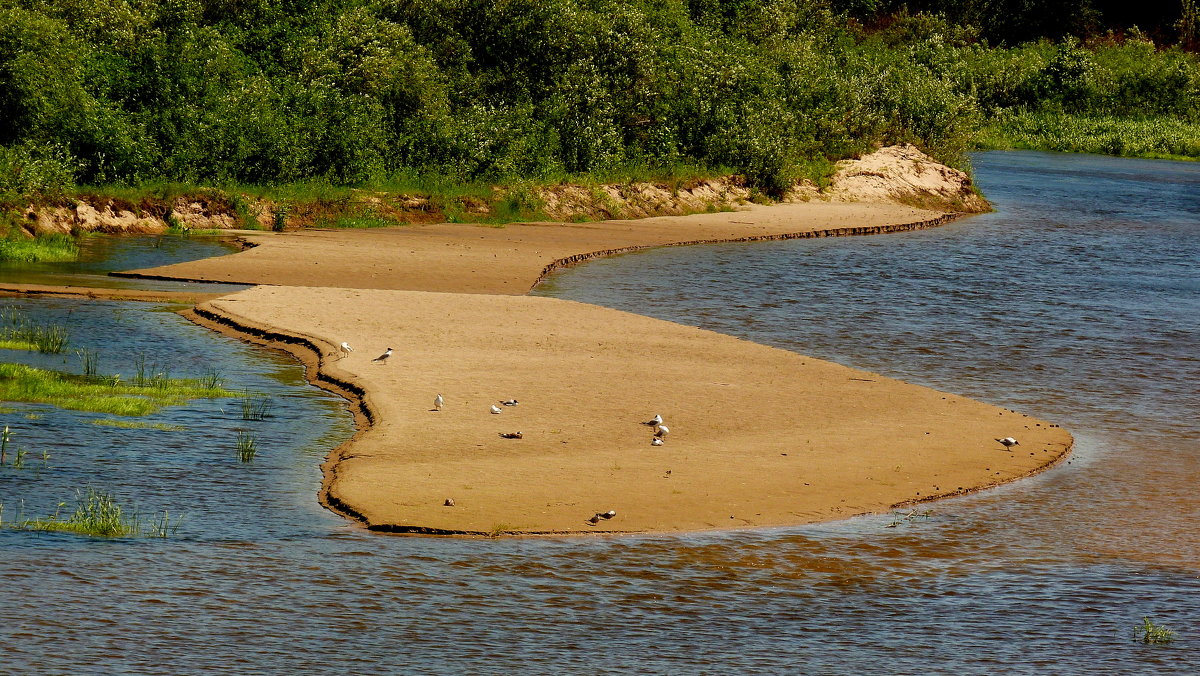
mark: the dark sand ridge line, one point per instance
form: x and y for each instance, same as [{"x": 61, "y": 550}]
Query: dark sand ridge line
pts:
[
  {"x": 765, "y": 436},
  {"x": 144, "y": 295}
]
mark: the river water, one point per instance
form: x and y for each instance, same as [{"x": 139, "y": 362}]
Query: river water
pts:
[{"x": 1076, "y": 301}]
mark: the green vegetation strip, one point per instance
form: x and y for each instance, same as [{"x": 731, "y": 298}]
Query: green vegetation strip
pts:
[
  {"x": 45, "y": 248},
  {"x": 96, "y": 513},
  {"x": 131, "y": 425},
  {"x": 100, "y": 394}
]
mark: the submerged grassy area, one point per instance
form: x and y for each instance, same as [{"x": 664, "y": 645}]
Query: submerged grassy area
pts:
[
  {"x": 132, "y": 425},
  {"x": 19, "y": 332},
  {"x": 96, "y": 513},
  {"x": 101, "y": 394}
]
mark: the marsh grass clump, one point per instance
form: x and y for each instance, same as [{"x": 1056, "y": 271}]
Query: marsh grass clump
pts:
[
  {"x": 99, "y": 395},
  {"x": 500, "y": 529},
  {"x": 256, "y": 407},
  {"x": 212, "y": 379},
  {"x": 19, "y": 332},
  {"x": 1148, "y": 632},
  {"x": 89, "y": 361},
  {"x": 50, "y": 248},
  {"x": 96, "y": 513},
  {"x": 247, "y": 447}
]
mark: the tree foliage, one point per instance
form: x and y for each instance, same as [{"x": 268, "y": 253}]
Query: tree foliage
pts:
[{"x": 354, "y": 91}]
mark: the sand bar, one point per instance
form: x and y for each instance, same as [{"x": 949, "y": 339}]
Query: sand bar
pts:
[{"x": 759, "y": 436}]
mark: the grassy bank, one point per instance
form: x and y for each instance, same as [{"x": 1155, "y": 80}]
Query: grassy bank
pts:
[
  {"x": 1152, "y": 138},
  {"x": 45, "y": 248}
]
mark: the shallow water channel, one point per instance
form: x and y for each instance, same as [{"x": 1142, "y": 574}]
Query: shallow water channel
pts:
[{"x": 1076, "y": 301}]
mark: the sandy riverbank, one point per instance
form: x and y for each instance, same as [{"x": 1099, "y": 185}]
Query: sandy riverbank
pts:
[{"x": 759, "y": 436}]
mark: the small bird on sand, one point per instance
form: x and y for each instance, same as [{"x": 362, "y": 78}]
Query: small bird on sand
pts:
[
  {"x": 448, "y": 503},
  {"x": 602, "y": 515},
  {"x": 495, "y": 409},
  {"x": 510, "y": 402},
  {"x": 654, "y": 422},
  {"x": 661, "y": 432},
  {"x": 1009, "y": 442},
  {"x": 438, "y": 402},
  {"x": 382, "y": 359},
  {"x": 511, "y": 435},
  {"x": 345, "y": 349},
  {"x": 656, "y": 442}
]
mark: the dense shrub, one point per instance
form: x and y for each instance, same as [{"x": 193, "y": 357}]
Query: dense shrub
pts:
[{"x": 351, "y": 92}]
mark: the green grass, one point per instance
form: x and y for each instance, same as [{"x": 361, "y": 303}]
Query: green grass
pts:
[
  {"x": 44, "y": 248},
  {"x": 1150, "y": 138},
  {"x": 256, "y": 407},
  {"x": 500, "y": 529},
  {"x": 134, "y": 425},
  {"x": 96, "y": 513},
  {"x": 1148, "y": 632},
  {"x": 247, "y": 447},
  {"x": 19, "y": 332},
  {"x": 99, "y": 395}
]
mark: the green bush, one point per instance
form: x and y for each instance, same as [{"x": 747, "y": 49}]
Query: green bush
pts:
[{"x": 358, "y": 92}]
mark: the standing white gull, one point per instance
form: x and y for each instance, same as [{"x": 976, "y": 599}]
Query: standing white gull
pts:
[
  {"x": 382, "y": 359},
  {"x": 437, "y": 402},
  {"x": 661, "y": 432},
  {"x": 1009, "y": 442},
  {"x": 654, "y": 422},
  {"x": 345, "y": 349}
]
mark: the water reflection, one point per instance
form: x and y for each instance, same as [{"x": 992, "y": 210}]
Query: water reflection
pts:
[{"x": 101, "y": 254}]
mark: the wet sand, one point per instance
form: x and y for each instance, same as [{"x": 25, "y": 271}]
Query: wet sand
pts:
[{"x": 758, "y": 436}]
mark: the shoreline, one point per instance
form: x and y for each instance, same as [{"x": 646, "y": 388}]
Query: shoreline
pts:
[
  {"x": 760, "y": 437},
  {"x": 309, "y": 353},
  {"x": 361, "y": 477}
]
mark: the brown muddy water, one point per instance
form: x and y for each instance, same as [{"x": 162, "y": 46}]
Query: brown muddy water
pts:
[{"x": 1077, "y": 301}]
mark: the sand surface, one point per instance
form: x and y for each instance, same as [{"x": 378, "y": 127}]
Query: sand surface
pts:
[
  {"x": 759, "y": 436},
  {"x": 502, "y": 260}
]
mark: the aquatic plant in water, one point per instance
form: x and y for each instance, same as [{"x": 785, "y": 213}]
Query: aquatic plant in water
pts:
[
  {"x": 19, "y": 332},
  {"x": 89, "y": 360},
  {"x": 247, "y": 447},
  {"x": 97, "y": 513},
  {"x": 100, "y": 395},
  {"x": 256, "y": 407},
  {"x": 1148, "y": 632}
]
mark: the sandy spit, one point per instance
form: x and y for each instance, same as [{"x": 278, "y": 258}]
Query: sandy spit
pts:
[{"x": 758, "y": 436}]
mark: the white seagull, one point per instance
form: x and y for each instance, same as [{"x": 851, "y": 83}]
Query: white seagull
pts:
[
  {"x": 661, "y": 432},
  {"x": 346, "y": 349},
  {"x": 1009, "y": 442},
  {"x": 495, "y": 409},
  {"x": 382, "y": 359},
  {"x": 437, "y": 402},
  {"x": 656, "y": 442},
  {"x": 510, "y": 402},
  {"x": 654, "y": 422}
]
